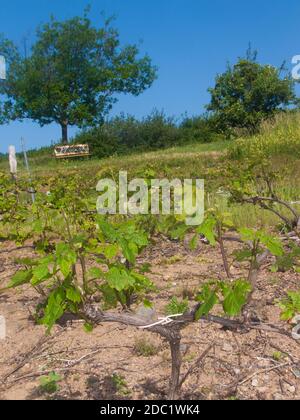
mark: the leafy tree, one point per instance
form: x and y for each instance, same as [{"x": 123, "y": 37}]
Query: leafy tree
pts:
[
  {"x": 73, "y": 73},
  {"x": 12, "y": 61},
  {"x": 247, "y": 93}
]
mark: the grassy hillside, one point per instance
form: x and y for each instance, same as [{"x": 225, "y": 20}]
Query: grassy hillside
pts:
[
  {"x": 278, "y": 143},
  {"x": 280, "y": 137},
  {"x": 184, "y": 160}
]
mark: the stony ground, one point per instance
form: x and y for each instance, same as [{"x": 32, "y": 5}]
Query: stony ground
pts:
[{"x": 116, "y": 362}]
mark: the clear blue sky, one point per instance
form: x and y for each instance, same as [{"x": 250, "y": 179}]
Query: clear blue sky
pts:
[{"x": 189, "y": 40}]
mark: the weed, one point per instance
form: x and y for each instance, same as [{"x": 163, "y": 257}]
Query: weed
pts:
[
  {"x": 49, "y": 383},
  {"x": 121, "y": 385},
  {"x": 145, "y": 348}
]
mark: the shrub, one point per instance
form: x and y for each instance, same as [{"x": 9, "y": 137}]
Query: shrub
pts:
[
  {"x": 125, "y": 134},
  {"x": 200, "y": 130}
]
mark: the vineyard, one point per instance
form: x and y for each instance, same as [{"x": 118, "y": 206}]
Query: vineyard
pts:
[{"x": 146, "y": 307}]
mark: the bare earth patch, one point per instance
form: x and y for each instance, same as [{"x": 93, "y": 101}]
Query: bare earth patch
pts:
[{"x": 104, "y": 364}]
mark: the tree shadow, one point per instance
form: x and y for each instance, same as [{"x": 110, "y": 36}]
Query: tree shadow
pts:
[
  {"x": 37, "y": 394},
  {"x": 151, "y": 387},
  {"x": 103, "y": 389}
]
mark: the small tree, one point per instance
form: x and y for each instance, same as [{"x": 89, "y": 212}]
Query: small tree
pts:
[
  {"x": 74, "y": 72},
  {"x": 12, "y": 61},
  {"x": 247, "y": 93}
]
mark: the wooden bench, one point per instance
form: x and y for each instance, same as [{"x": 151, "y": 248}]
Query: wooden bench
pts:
[{"x": 70, "y": 151}]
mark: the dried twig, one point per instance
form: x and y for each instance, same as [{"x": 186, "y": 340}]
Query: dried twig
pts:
[
  {"x": 260, "y": 372},
  {"x": 196, "y": 364}
]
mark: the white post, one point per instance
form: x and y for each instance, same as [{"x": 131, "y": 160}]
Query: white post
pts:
[{"x": 12, "y": 161}]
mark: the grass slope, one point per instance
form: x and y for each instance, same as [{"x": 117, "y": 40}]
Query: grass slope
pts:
[{"x": 279, "y": 142}]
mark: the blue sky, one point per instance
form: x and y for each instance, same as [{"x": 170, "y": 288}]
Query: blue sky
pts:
[{"x": 189, "y": 40}]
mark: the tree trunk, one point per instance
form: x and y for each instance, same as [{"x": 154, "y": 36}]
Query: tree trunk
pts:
[
  {"x": 64, "y": 132},
  {"x": 176, "y": 367}
]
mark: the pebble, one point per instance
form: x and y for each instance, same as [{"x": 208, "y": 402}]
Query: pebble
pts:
[
  {"x": 291, "y": 389},
  {"x": 296, "y": 372},
  {"x": 255, "y": 383},
  {"x": 184, "y": 348},
  {"x": 227, "y": 347}
]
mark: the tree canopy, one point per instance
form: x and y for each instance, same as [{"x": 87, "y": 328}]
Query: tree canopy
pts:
[
  {"x": 247, "y": 93},
  {"x": 74, "y": 72},
  {"x": 12, "y": 61}
]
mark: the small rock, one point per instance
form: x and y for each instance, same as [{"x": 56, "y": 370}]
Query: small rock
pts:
[
  {"x": 184, "y": 348},
  {"x": 296, "y": 372},
  {"x": 278, "y": 397},
  {"x": 255, "y": 383},
  {"x": 149, "y": 314},
  {"x": 227, "y": 347},
  {"x": 291, "y": 389}
]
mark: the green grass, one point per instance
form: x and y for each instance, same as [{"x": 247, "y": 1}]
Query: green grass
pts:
[
  {"x": 280, "y": 137},
  {"x": 279, "y": 141},
  {"x": 192, "y": 161},
  {"x": 45, "y": 163}
]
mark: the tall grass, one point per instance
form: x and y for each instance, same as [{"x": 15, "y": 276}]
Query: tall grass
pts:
[{"x": 279, "y": 137}]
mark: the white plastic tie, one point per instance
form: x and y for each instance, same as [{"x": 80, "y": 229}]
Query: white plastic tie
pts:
[{"x": 162, "y": 321}]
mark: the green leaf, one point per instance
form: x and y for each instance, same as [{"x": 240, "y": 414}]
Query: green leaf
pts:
[
  {"x": 65, "y": 267},
  {"x": 119, "y": 279},
  {"x": 140, "y": 239},
  {"x": 66, "y": 258},
  {"x": 73, "y": 295},
  {"x": 208, "y": 230},
  {"x": 148, "y": 304},
  {"x": 129, "y": 251},
  {"x": 179, "y": 232},
  {"x": 40, "y": 274},
  {"x": 110, "y": 251},
  {"x": 208, "y": 298},
  {"x": 49, "y": 383},
  {"x": 193, "y": 243},
  {"x": 109, "y": 296},
  {"x": 274, "y": 245},
  {"x": 52, "y": 377},
  {"x": 20, "y": 278},
  {"x": 108, "y": 230},
  {"x": 88, "y": 327},
  {"x": 95, "y": 273},
  {"x": 55, "y": 308},
  {"x": 26, "y": 261},
  {"x": 290, "y": 306},
  {"x": 235, "y": 297},
  {"x": 177, "y": 307},
  {"x": 242, "y": 255},
  {"x": 37, "y": 226},
  {"x": 142, "y": 282},
  {"x": 247, "y": 234},
  {"x": 274, "y": 268}
]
